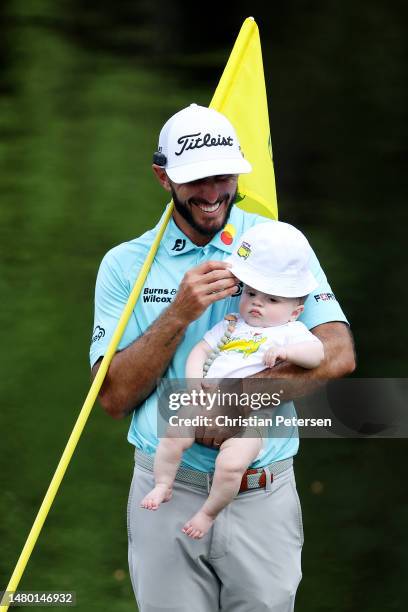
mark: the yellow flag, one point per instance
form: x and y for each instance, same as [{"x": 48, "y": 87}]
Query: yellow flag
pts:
[{"x": 241, "y": 96}]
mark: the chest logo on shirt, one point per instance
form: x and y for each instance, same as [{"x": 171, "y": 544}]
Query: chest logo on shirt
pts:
[
  {"x": 179, "y": 244},
  {"x": 228, "y": 234},
  {"x": 247, "y": 347},
  {"x": 97, "y": 333},
  {"x": 158, "y": 295}
]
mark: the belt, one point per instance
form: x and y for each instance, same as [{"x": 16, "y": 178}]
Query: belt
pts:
[{"x": 259, "y": 478}]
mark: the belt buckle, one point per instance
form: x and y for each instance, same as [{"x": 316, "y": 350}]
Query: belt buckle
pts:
[{"x": 261, "y": 481}]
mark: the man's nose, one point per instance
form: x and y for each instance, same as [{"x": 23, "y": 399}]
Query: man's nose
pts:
[{"x": 209, "y": 190}]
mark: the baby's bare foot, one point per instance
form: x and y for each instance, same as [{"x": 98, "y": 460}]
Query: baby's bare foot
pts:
[
  {"x": 160, "y": 494},
  {"x": 198, "y": 526}
]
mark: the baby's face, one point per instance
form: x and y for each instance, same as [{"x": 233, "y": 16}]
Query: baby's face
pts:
[{"x": 263, "y": 310}]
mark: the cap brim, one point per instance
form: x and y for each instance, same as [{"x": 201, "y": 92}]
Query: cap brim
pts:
[
  {"x": 282, "y": 286},
  {"x": 213, "y": 167}
]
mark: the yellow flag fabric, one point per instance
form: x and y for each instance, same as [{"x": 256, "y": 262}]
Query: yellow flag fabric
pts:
[{"x": 241, "y": 96}]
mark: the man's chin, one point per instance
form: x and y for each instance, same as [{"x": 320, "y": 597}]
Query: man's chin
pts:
[
  {"x": 212, "y": 227},
  {"x": 209, "y": 227}
]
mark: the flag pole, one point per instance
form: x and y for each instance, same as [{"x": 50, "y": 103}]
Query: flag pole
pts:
[{"x": 83, "y": 416}]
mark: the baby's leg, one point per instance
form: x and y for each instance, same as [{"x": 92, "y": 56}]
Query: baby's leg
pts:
[
  {"x": 166, "y": 462},
  {"x": 235, "y": 455}
]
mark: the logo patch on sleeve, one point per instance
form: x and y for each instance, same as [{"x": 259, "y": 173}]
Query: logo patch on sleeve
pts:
[
  {"x": 97, "y": 333},
  {"x": 325, "y": 297}
]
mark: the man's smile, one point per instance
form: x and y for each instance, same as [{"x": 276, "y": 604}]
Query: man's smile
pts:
[{"x": 207, "y": 207}]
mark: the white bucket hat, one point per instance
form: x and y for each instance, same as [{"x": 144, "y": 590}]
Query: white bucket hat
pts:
[
  {"x": 198, "y": 142},
  {"x": 273, "y": 257}
]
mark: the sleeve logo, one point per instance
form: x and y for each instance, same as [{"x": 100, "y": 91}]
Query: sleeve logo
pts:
[
  {"x": 324, "y": 297},
  {"x": 97, "y": 333}
]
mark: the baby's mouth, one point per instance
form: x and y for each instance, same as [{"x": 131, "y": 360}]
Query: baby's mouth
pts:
[{"x": 255, "y": 312}]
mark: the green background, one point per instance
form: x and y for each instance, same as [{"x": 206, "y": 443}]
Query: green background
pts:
[{"x": 84, "y": 91}]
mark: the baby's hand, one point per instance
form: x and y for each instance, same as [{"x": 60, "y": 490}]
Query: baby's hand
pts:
[{"x": 274, "y": 354}]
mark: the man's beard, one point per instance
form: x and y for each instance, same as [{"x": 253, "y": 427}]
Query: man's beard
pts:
[{"x": 184, "y": 210}]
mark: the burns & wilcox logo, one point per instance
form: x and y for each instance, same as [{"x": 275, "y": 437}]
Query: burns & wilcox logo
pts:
[{"x": 158, "y": 295}]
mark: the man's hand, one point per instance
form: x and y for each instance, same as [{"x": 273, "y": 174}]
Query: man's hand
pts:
[
  {"x": 134, "y": 371},
  {"x": 225, "y": 389},
  {"x": 202, "y": 286}
]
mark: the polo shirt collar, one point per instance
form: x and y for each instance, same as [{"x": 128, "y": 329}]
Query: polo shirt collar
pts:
[{"x": 175, "y": 241}]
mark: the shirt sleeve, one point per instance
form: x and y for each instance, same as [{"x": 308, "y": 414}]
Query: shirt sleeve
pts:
[
  {"x": 321, "y": 306},
  {"x": 111, "y": 295},
  {"x": 214, "y": 335}
]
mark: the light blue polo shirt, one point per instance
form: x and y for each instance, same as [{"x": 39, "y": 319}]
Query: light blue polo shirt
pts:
[{"x": 177, "y": 254}]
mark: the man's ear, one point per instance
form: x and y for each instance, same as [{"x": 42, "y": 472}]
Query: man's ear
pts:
[
  {"x": 296, "y": 312},
  {"x": 161, "y": 176}
]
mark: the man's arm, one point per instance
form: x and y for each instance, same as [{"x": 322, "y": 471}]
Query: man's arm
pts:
[
  {"x": 339, "y": 360},
  {"x": 133, "y": 372}
]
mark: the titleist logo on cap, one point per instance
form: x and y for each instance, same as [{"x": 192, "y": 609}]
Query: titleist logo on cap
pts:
[{"x": 197, "y": 141}]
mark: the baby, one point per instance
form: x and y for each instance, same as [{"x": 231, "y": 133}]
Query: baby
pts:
[{"x": 272, "y": 262}]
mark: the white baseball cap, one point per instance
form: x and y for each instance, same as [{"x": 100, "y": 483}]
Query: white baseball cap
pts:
[
  {"x": 273, "y": 257},
  {"x": 198, "y": 142}
]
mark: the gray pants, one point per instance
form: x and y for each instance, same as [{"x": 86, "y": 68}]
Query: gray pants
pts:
[{"x": 248, "y": 562}]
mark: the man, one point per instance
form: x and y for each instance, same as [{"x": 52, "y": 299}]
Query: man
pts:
[{"x": 250, "y": 559}]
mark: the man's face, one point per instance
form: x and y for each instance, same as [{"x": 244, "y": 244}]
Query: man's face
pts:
[{"x": 206, "y": 203}]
